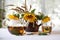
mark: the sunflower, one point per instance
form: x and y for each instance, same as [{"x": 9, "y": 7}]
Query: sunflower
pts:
[
  {"x": 29, "y": 17},
  {"x": 12, "y": 17},
  {"x": 46, "y": 19}
]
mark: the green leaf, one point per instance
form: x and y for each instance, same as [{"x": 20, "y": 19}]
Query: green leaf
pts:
[
  {"x": 14, "y": 14},
  {"x": 39, "y": 17},
  {"x": 2, "y": 10},
  {"x": 43, "y": 33},
  {"x": 18, "y": 15},
  {"x": 33, "y": 11},
  {"x": 0, "y": 23},
  {"x": 22, "y": 15}
]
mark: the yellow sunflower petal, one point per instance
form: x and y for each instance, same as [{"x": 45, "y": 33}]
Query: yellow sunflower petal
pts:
[
  {"x": 46, "y": 19},
  {"x": 12, "y": 17}
]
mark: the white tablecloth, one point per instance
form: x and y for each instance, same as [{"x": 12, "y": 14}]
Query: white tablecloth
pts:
[{"x": 5, "y": 35}]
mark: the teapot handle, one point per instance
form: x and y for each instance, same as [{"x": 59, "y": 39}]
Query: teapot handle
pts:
[
  {"x": 4, "y": 23},
  {"x": 39, "y": 23}
]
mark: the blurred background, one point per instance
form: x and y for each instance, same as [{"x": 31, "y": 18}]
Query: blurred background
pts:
[{"x": 48, "y": 7}]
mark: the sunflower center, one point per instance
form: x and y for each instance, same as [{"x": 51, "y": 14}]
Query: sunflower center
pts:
[{"x": 29, "y": 16}]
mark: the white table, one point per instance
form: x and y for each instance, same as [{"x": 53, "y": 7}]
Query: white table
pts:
[{"x": 5, "y": 35}]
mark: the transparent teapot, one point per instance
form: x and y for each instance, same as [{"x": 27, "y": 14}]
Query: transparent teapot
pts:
[{"x": 16, "y": 27}]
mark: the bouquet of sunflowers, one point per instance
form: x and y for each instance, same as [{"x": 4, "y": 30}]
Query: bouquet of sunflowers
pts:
[{"x": 29, "y": 16}]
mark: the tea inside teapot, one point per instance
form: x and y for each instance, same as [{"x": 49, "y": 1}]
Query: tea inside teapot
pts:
[{"x": 16, "y": 27}]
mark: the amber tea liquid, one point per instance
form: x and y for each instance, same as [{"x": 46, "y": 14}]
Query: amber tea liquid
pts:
[
  {"x": 16, "y": 30},
  {"x": 47, "y": 29}
]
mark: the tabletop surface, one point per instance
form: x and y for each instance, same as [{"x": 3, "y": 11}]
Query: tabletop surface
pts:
[{"x": 5, "y": 35}]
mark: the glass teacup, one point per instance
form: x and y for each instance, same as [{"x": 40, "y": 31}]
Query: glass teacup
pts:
[{"x": 47, "y": 27}]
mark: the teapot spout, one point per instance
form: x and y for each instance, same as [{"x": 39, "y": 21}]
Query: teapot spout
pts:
[{"x": 40, "y": 24}]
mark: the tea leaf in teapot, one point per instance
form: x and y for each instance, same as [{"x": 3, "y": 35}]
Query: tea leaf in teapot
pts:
[{"x": 33, "y": 11}]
